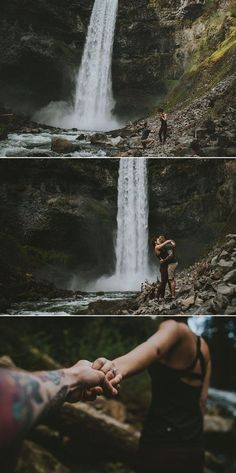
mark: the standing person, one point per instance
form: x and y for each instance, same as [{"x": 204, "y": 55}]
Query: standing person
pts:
[
  {"x": 166, "y": 249},
  {"x": 179, "y": 365},
  {"x": 164, "y": 127}
]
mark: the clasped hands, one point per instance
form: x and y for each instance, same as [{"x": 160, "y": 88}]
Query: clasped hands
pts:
[{"x": 88, "y": 380}]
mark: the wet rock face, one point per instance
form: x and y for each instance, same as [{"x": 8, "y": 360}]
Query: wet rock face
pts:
[
  {"x": 143, "y": 48},
  {"x": 63, "y": 209},
  {"x": 40, "y": 46},
  {"x": 188, "y": 205}
]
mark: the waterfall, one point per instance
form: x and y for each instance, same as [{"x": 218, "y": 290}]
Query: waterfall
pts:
[
  {"x": 132, "y": 255},
  {"x": 132, "y": 221},
  {"x": 94, "y": 98},
  {"x": 93, "y": 102}
]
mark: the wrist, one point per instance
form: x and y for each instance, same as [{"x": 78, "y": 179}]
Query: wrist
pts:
[{"x": 71, "y": 379}]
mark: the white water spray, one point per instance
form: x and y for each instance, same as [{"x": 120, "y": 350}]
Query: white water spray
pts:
[
  {"x": 94, "y": 98},
  {"x": 93, "y": 102},
  {"x": 132, "y": 261}
]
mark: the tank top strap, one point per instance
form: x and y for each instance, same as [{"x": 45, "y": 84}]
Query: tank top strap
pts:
[{"x": 199, "y": 357}]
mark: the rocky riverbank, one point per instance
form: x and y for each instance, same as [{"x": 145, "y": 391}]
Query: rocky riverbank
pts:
[{"x": 206, "y": 288}]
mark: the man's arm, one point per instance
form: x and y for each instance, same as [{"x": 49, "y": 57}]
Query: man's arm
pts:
[
  {"x": 144, "y": 355},
  {"x": 25, "y": 396},
  {"x": 168, "y": 258}
]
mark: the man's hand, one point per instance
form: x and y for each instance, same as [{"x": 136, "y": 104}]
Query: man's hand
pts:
[
  {"x": 110, "y": 371},
  {"x": 86, "y": 383},
  {"x": 162, "y": 260}
]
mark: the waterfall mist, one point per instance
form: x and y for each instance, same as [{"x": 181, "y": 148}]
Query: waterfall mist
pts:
[
  {"x": 93, "y": 101},
  {"x": 132, "y": 255}
]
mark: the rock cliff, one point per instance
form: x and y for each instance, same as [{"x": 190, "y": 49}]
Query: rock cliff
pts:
[{"x": 158, "y": 44}]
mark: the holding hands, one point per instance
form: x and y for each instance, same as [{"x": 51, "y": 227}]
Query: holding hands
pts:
[
  {"x": 89, "y": 380},
  {"x": 110, "y": 371}
]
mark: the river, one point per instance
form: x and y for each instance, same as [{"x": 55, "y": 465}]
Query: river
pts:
[
  {"x": 39, "y": 144},
  {"x": 65, "y": 306}
]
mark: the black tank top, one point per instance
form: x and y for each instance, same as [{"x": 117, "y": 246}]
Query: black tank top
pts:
[
  {"x": 163, "y": 122},
  {"x": 174, "y": 419}
]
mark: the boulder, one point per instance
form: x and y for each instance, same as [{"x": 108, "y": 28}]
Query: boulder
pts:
[
  {"x": 111, "y": 407},
  {"x": 37, "y": 459},
  {"x": 218, "y": 430},
  {"x": 63, "y": 146},
  {"x": 191, "y": 9},
  {"x": 214, "y": 260},
  {"x": 6, "y": 362},
  {"x": 98, "y": 138},
  {"x": 186, "y": 303},
  {"x": 116, "y": 141},
  {"x": 230, "y": 310},
  {"x": 231, "y": 244},
  {"x": 225, "y": 290},
  {"x": 231, "y": 236},
  {"x": 81, "y": 137},
  {"x": 218, "y": 304},
  {"x": 230, "y": 277},
  {"x": 210, "y": 125},
  {"x": 201, "y": 133},
  {"x": 225, "y": 264}
]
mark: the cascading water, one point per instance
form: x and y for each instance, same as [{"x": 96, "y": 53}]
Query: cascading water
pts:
[
  {"x": 132, "y": 221},
  {"x": 94, "y": 98},
  {"x": 93, "y": 102},
  {"x": 132, "y": 260}
]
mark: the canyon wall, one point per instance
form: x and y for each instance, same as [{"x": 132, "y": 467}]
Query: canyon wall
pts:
[
  {"x": 58, "y": 218},
  {"x": 156, "y": 42}
]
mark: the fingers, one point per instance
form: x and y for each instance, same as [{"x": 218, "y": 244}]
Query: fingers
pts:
[
  {"x": 108, "y": 388},
  {"x": 116, "y": 380},
  {"x": 99, "y": 363},
  {"x": 103, "y": 365}
]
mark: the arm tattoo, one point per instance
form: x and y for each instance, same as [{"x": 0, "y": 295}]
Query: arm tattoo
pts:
[
  {"x": 54, "y": 376},
  {"x": 23, "y": 398}
]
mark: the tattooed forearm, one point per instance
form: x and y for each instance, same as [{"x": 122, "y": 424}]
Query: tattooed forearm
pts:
[
  {"x": 54, "y": 376},
  {"x": 24, "y": 397}
]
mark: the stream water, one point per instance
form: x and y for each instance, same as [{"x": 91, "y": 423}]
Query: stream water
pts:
[
  {"x": 65, "y": 306},
  {"x": 39, "y": 144}
]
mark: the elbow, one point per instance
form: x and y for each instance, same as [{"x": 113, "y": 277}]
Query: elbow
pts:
[{"x": 158, "y": 353}]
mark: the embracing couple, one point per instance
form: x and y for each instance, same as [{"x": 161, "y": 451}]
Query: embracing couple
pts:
[
  {"x": 179, "y": 365},
  {"x": 165, "y": 250}
]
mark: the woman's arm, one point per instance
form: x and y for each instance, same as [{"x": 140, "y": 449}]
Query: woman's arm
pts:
[
  {"x": 205, "y": 388},
  {"x": 159, "y": 246},
  {"x": 143, "y": 355},
  {"x": 25, "y": 396}
]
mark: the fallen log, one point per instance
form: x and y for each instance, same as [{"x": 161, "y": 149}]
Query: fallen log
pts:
[{"x": 87, "y": 429}]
